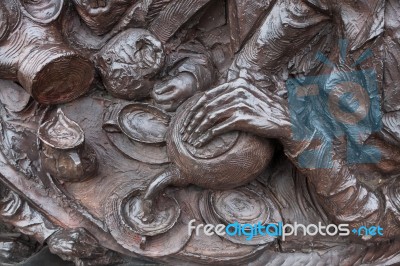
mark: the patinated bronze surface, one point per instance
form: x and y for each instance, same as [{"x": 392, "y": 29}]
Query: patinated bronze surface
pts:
[{"x": 123, "y": 123}]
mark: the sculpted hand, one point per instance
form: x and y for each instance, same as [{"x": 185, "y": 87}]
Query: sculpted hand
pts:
[
  {"x": 74, "y": 243},
  {"x": 172, "y": 93},
  {"x": 233, "y": 106}
]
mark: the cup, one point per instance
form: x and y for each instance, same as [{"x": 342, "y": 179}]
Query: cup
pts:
[{"x": 64, "y": 154}]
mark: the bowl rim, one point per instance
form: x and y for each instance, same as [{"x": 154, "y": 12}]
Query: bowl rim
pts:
[{"x": 146, "y": 108}]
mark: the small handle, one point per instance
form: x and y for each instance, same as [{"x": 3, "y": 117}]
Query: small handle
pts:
[
  {"x": 112, "y": 126},
  {"x": 76, "y": 160}
]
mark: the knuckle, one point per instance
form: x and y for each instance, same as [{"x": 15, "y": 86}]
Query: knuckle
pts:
[
  {"x": 242, "y": 105},
  {"x": 200, "y": 102},
  {"x": 241, "y": 92},
  {"x": 208, "y": 95},
  {"x": 238, "y": 101},
  {"x": 236, "y": 104},
  {"x": 195, "y": 119},
  {"x": 236, "y": 116},
  {"x": 244, "y": 93},
  {"x": 207, "y": 136},
  {"x": 208, "y": 106},
  {"x": 239, "y": 82},
  {"x": 245, "y": 106}
]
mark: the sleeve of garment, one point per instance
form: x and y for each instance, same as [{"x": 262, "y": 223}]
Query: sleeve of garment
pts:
[
  {"x": 344, "y": 197},
  {"x": 193, "y": 58},
  {"x": 291, "y": 25},
  {"x": 288, "y": 27},
  {"x": 18, "y": 213}
]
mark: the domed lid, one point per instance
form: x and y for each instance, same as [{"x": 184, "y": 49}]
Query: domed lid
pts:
[{"x": 61, "y": 132}]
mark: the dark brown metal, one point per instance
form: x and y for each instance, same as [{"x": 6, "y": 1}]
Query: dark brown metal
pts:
[{"x": 124, "y": 122}]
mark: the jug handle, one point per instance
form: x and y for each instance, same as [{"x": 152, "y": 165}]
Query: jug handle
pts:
[
  {"x": 171, "y": 177},
  {"x": 112, "y": 126}
]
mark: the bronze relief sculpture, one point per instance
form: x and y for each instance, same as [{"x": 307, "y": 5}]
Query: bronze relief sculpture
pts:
[{"x": 141, "y": 130}]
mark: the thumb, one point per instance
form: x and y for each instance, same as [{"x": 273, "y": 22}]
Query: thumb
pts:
[{"x": 164, "y": 88}]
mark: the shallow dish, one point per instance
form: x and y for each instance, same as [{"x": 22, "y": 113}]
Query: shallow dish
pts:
[{"x": 140, "y": 122}]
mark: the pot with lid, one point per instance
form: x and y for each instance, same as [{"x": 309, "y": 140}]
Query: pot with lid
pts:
[{"x": 228, "y": 161}]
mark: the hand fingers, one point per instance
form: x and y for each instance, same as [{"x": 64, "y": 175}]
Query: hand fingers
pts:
[
  {"x": 221, "y": 100},
  {"x": 195, "y": 121},
  {"x": 211, "y": 119},
  {"x": 242, "y": 84},
  {"x": 210, "y": 95},
  {"x": 224, "y": 127},
  {"x": 218, "y": 90},
  {"x": 169, "y": 107},
  {"x": 206, "y": 97},
  {"x": 167, "y": 98},
  {"x": 228, "y": 92},
  {"x": 164, "y": 88},
  {"x": 192, "y": 111},
  {"x": 193, "y": 124}
]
